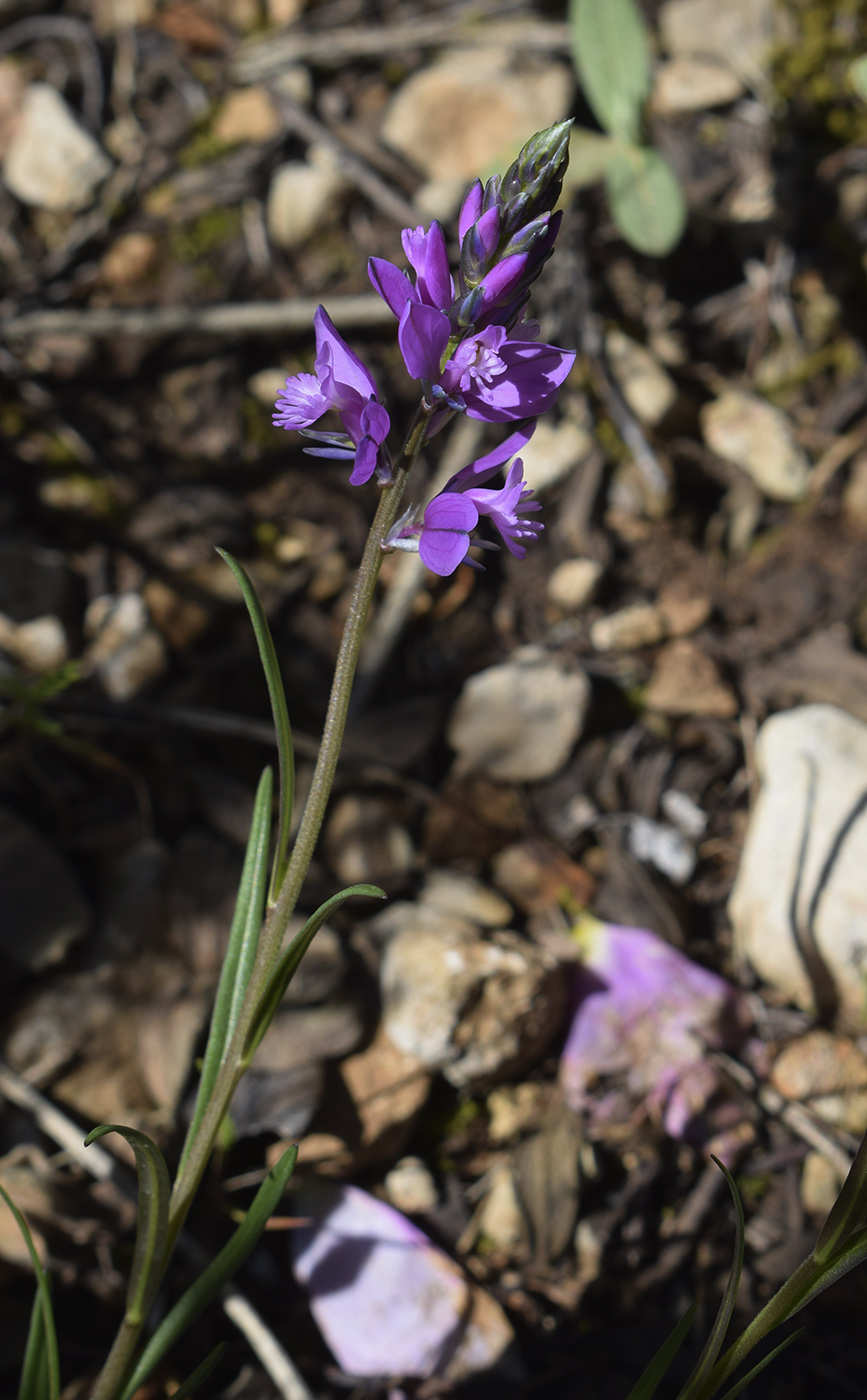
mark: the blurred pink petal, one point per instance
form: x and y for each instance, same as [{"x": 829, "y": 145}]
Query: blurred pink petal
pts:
[
  {"x": 646, "y": 1014},
  {"x": 387, "y": 1301}
]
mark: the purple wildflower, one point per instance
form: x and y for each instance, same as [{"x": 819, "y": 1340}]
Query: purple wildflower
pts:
[
  {"x": 340, "y": 382},
  {"x": 488, "y": 375},
  {"x": 443, "y": 535},
  {"x": 427, "y": 254}
]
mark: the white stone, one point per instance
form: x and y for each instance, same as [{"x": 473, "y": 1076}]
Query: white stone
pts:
[
  {"x": 573, "y": 583},
  {"x": 52, "y": 162},
  {"x": 248, "y": 114},
  {"x": 410, "y": 1187},
  {"x": 737, "y": 33},
  {"x": 639, "y": 625},
  {"x": 687, "y": 84},
  {"x": 553, "y": 451},
  {"x": 821, "y": 748},
  {"x": 126, "y": 652},
  {"x": 41, "y": 645},
  {"x": 518, "y": 722},
  {"x": 304, "y": 197},
  {"x": 757, "y": 437},
  {"x": 474, "y": 109},
  {"x": 452, "y": 892},
  {"x": 266, "y": 384},
  {"x": 646, "y": 387}
]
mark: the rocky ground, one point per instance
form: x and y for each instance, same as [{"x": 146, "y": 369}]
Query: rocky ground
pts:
[{"x": 614, "y": 792}]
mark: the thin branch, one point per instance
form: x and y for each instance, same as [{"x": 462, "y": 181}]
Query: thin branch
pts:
[
  {"x": 71, "y": 31},
  {"x": 234, "y": 318}
]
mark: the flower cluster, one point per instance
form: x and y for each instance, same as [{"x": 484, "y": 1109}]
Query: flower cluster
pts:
[{"x": 466, "y": 342}]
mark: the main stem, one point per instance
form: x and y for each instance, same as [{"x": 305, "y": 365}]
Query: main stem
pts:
[{"x": 308, "y": 833}]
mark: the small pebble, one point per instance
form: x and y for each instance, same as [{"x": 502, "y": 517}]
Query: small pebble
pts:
[
  {"x": 410, "y": 1188},
  {"x": 573, "y": 583},
  {"x": 628, "y": 629}
]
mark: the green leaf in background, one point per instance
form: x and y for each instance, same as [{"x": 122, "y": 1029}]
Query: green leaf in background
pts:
[
  {"x": 47, "y": 1332},
  {"x": 713, "y": 1345},
  {"x": 153, "y": 1212},
  {"x": 589, "y": 156},
  {"x": 33, "y": 1384},
  {"x": 858, "y": 75},
  {"x": 646, "y": 201},
  {"x": 240, "y": 952},
  {"x": 757, "y": 1370},
  {"x": 289, "y": 960},
  {"x": 651, "y": 1377},
  {"x": 612, "y": 59},
  {"x": 286, "y": 757},
  {"x": 217, "y": 1274}
]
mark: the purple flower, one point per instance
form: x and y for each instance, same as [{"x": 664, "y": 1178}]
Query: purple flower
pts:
[
  {"x": 340, "y": 382},
  {"x": 488, "y": 375},
  {"x": 443, "y": 536},
  {"x": 428, "y": 256}
]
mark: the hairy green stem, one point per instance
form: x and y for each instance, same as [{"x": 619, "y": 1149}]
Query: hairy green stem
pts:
[
  {"x": 198, "y": 1152},
  {"x": 112, "y": 1377}
]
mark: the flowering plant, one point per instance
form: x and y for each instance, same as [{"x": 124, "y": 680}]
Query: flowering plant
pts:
[{"x": 467, "y": 342}]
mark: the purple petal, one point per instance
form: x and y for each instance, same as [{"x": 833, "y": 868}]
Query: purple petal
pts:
[
  {"x": 528, "y": 387},
  {"x": 483, "y": 468},
  {"x": 645, "y": 1012},
  {"x": 365, "y": 462},
  {"x": 470, "y": 209},
  {"x": 428, "y": 255},
  {"x": 392, "y": 285},
  {"x": 387, "y": 1301},
  {"x": 445, "y": 536},
  {"x": 499, "y": 284},
  {"x": 488, "y": 228},
  {"x": 423, "y": 336},
  {"x": 300, "y": 403},
  {"x": 375, "y": 421},
  {"x": 335, "y": 359}
]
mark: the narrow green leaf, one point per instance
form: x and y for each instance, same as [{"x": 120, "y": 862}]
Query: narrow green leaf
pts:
[
  {"x": 712, "y": 1346},
  {"x": 154, "y": 1190},
  {"x": 757, "y": 1370},
  {"x": 612, "y": 59},
  {"x": 285, "y": 753},
  {"x": 652, "y": 1375},
  {"x": 217, "y": 1274},
  {"x": 853, "y": 1253},
  {"x": 44, "y": 1293},
  {"x": 848, "y": 1210},
  {"x": 289, "y": 960},
  {"x": 645, "y": 198},
  {"x": 201, "y": 1373},
  {"x": 33, "y": 1384},
  {"x": 240, "y": 952}
]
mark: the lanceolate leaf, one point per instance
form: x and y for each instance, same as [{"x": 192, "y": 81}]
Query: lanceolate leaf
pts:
[
  {"x": 847, "y": 1212},
  {"x": 645, "y": 199},
  {"x": 240, "y": 952},
  {"x": 288, "y": 964},
  {"x": 33, "y": 1384},
  {"x": 714, "y": 1342},
  {"x": 153, "y": 1210},
  {"x": 609, "y": 44},
  {"x": 201, "y": 1373},
  {"x": 286, "y": 757},
  {"x": 218, "y": 1273},
  {"x": 650, "y": 1379},
  {"x": 757, "y": 1370},
  {"x": 48, "y": 1333}
]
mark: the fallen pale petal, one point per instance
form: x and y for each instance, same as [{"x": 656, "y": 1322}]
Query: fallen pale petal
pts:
[{"x": 387, "y": 1301}]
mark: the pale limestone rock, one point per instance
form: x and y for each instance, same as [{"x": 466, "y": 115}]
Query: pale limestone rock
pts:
[
  {"x": 552, "y": 452},
  {"x": 51, "y": 162},
  {"x": 410, "y": 1188},
  {"x": 129, "y": 260},
  {"x": 639, "y": 625},
  {"x": 452, "y": 892},
  {"x": 738, "y": 33},
  {"x": 248, "y": 114},
  {"x": 685, "y": 681},
  {"x": 821, "y": 750},
  {"x": 473, "y": 110},
  {"x": 573, "y": 583},
  {"x": 646, "y": 387},
  {"x": 476, "y": 1008},
  {"x": 304, "y": 197},
  {"x": 126, "y": 652},
  {"x": 820, "y": 1183},
  {"x": 13, "y": 85},
  {"x": 364, "y": 842},
  {"x": 518, "y": 722},
  {"x": 757, "y": 437},
  {"x": 687, "y": 84},
  {"x": 266, "y": 384},
  {"x": 501, "y": 1220}
]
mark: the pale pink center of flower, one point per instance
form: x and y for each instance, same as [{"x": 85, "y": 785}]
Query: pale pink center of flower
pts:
[{"x": 478, "y": 363}]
